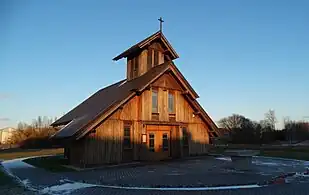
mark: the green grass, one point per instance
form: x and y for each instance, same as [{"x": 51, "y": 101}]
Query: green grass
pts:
[
  {"x": 21, "y": 153},
  {"x": 50, "y": 163}
]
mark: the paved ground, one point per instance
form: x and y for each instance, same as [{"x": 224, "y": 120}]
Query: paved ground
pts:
[{"x": 191, "y": 173}]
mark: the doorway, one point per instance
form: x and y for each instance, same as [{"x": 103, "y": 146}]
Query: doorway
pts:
[{"x": 159, "y": 142}]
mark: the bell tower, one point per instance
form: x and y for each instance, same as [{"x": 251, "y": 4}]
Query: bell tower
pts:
[{"x": 150, "y": 52}]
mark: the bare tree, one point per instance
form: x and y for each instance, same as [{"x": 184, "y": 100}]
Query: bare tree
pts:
[
  {"x": 21, "y": 126},
  {"x": 233, "y": 122},
  {"x": 40, "y": 122},
  {"x": 270, "y": 119}
]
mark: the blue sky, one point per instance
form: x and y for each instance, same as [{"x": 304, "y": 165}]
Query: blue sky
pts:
[{"x": 241, "y": 56}]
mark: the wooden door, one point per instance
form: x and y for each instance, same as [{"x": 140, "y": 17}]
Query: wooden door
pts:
[{"x": 159, "y": 146}]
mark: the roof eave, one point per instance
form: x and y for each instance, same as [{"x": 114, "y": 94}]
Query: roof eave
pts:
[
  {"x": 146, "y": 42},
  {"x": 191, "y": 90},
  {"x": 114, "y": 107}
]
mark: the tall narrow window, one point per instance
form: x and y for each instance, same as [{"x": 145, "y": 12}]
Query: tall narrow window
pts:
[
  {"x": 165, "y": 142},
  {"x": 149, "y": 59},
  {"x": 135, "y": 66},
  {"x": 131, "y": 68},
  {"x": 171, "y": 102},
  {"x": 185, "y": 139},
  {"x": 156, "y": 58},
  {"x": 127, "y": 136},
  {"x": 151, "y": 142},
  {"x": 154, "y": 101}
]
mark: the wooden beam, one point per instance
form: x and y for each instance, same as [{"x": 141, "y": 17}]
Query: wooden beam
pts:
[
  {"x": 186, "y": 92},
  {"x": 147, "y": 122},
  {"x": 136, "y": 91},
  {"x": 197, "y": 113}
]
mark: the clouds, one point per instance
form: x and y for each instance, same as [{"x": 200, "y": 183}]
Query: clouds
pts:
[{"x": 4, "y": 119}]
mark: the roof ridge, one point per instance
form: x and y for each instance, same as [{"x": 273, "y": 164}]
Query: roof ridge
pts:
[{"x": 145, "y": 42}]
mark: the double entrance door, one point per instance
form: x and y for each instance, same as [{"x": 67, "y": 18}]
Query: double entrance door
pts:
[{"x": 159, "y": 142}]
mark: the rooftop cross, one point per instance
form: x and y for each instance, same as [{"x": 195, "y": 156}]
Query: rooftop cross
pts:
[{"x": 161, "y": 21}]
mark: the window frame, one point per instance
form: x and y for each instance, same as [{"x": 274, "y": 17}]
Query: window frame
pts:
[
  {"x": 157, "y": 101},
  {"x": 165, "y": 148},
  {"x": 152, "y": 149},
  {"x": 127, "y": 124},
  {"x": 168, "y": 102},
  {"x": 135, "y": 66}
]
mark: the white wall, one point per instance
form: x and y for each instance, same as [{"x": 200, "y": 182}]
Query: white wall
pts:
[{"x": 5, "y": 134}]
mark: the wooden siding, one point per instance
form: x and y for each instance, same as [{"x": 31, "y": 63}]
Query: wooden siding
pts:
[
  {"x": 143, "y": 61},
  {"x": 76, "y": 153},
  {"x": 146, "y": 104},
  {"x": 167, "y": 81},
  {"x": 199, "y": 138},
  {"x": 105, "y": 145}
]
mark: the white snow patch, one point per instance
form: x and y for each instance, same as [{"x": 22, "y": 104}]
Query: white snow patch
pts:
[
  {"x": 25, "y": 182},
  {"x": 292, "y": 161},
  {"x": 301, "y": 175},
  {"x": 66, "y": 188},
  {"x": 224, "y": 158},
  {"x": 268, "y": 163},
  {"x": 283, "y": 162}
]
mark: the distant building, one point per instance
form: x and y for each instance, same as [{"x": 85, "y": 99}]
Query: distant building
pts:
[{"x": 5, "y": 134}]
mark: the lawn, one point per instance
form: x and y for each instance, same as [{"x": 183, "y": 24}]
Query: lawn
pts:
[
  {"x": 50, "y": 163},
  {"x": 21, "y": 153}
]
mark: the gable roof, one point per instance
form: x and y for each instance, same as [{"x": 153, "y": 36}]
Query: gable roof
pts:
[
  {"x": 114, "y": 96},
  {"x": 146, "y": 42},
  {"x": 102, "y": 101},
  {"x": 183, "y": 79}
]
